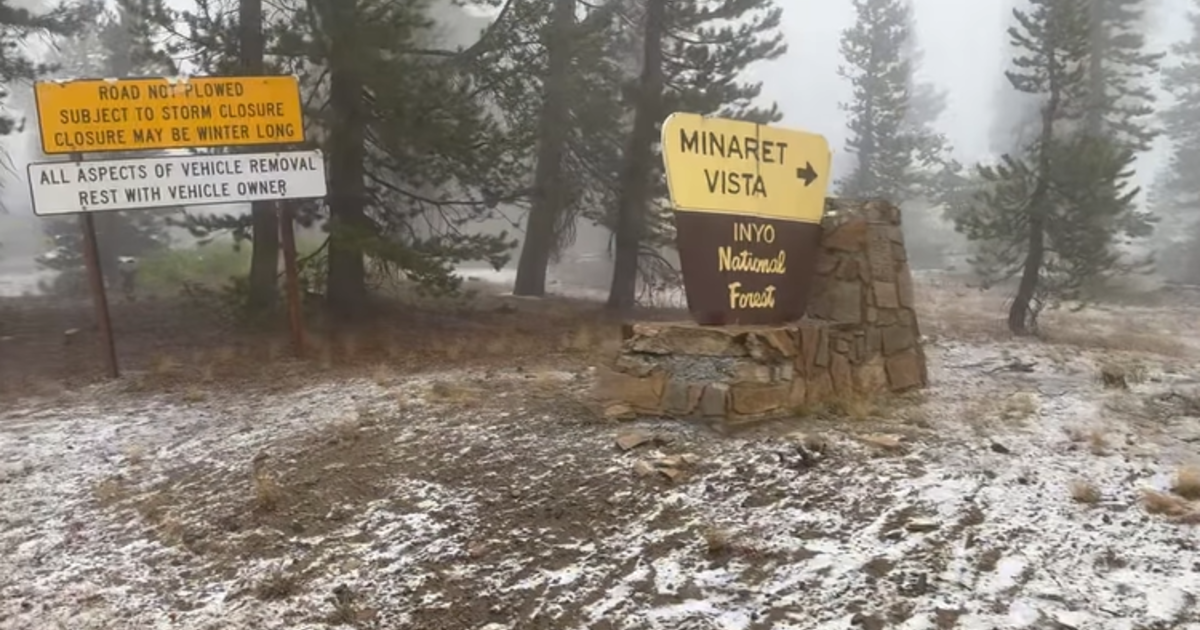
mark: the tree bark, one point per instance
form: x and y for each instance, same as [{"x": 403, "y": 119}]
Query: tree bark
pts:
[
  {"x": 346, "y": 290},
  {"x": 635, "y": 182},
  {"x": 1098, "y": 43},
  {"x": 554, "y": 128},
  {"x": 264, "y": 257},
  {"x": 1018, "y": 313}
]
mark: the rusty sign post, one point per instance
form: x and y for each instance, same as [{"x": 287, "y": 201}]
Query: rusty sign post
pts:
[
  {"x": 748, "y": 202},
  {"x": 291, "y": 277},
  {"x": 95, "y": 273}
]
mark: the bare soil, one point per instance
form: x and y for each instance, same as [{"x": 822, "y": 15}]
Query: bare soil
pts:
[{"x": 440, "y": 467}]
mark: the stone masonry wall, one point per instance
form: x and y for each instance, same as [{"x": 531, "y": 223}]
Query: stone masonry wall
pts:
[{"x": 860, "y": 338}]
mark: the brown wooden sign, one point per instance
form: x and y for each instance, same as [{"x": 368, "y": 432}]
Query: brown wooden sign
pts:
[
  {"x": 748, "y": 206},
  {"x": 744, "y": 270}
]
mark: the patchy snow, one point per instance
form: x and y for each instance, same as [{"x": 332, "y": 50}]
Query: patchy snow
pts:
[{"x": 496, "y": 509}]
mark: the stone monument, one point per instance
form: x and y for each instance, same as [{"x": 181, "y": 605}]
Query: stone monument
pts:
[{"x": 797, "y": 300}]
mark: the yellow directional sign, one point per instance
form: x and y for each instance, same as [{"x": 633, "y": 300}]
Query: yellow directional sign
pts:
[
  {"x": 167, "y": 113},
  {"x": 737, "y": 167}
]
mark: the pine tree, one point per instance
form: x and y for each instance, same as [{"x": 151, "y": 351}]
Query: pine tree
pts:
[
  {"x": 120, "y": 43},
  {"x": 16, "y": 26},
  {"x": 705, "y": 46},
  {"x": 414, "y": 151},
  {"x": 892, "y": 121},
  {"x": 1120, "y": 97},
  {"x": 562, "y": 93},
  {"x": 1011, "y": 218},
  {"x": 1053, "y": 213},
  {"x": 1177, "y": 189}
]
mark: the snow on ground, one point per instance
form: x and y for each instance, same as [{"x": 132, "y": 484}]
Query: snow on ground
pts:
[
  {"x": 494, "y": 500},
  {"x": 14, "y": 284}
]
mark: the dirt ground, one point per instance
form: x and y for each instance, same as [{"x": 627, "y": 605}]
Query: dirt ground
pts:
[{"x": 447, "y": 471}]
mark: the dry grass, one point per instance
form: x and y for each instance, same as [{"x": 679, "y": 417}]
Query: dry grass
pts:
[
  {"x": 716, "y": 540},
  {"x": 451, "y": 392},
  {"x": 165, "y": 365},
  {"x": 109, "y": 491},
  {"x": 268, "y": 494},
  {"x": 276, "y": 586},
  {"x": 194, "y": 394},
  {"x": 1187, "y": 483},
  {"x": 1115, "y": 375},
  {"x": 135, "y": 454},
  {"x": 1156, "y": 502},
  {"x": 346, "y": 431},
  {"x": 1021, "y": 406},
  {"x": 383, "y": 375},
  {"x": 1084, "y": 492},
  {"x": 854, "y": 407},
  {"x": 1098, "y": 443},
  {"x": 225, "y": 355},
  {"x": 1119, "y": 341},
  {"x": 153, "y": 507},
  {"x": 1096, "y": 440}
]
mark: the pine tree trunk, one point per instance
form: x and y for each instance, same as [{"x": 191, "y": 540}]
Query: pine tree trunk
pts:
[
  {"x": 346, "y": 289},
  {"x": 635, "y": 182},
  {"x": 1018, "y": 313},
  {"x": 554, "y": 127},
  {"x": 1098, "y": 45},
  {"x": 264, "y": 257}
]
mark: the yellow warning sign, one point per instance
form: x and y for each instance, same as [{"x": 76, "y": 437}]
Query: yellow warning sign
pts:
[
  {"x": 737, "y": 167},
  {"x": 167, "y": 113}
]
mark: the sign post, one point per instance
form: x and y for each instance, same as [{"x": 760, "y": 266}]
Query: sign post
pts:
[
  {"x": 91, "y": 261},
  {"x": 155, "y": 114},
  {"x": 291, "y": 277},
  {"x": 748, "y": 202}
]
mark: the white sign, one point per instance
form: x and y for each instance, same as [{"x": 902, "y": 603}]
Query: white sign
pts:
[{"x": 184, "y": 180}]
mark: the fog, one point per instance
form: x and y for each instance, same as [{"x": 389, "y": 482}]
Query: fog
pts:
[{"x": 965, "y": 48}]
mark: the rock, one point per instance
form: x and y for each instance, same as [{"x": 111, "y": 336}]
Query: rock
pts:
[
  {"x": 841, "y": 375},
  {"x": 796, "y": 395},
  {"x": 681, "y": 399},
  {"x": 671, "y": 473},
  {"x": 904, "y": 287},
  {"x": 838, "y": 301},
  {"x": 477, "y": 549},
  {"x": 644, "y": 468},
  {"x": 678, "y": 461},
  {"x": 714, "y": 400},
  {"x": 871, "y": 377},
  {"x": 685, "y": 339},
  {"x": 814, "y": 443},
  {"x": 882, "y": 441},
  {"x": 750, "y": 399},
  {"x": 886, "y": 295},
  {"x": 643, "y": 394},
  {"x": 630, "y": 440},
  {"x": 669, "y": 466},
  {"x": 897, "y": 339},
  {"x": 619, "y": 411},
  {"x": 752, "y": 372},
  {"x": 904, "y": 371},
  {"x": 922, "y": 525},
  {"x": 1000, "y": 448},
  {"x": 848, "y": 237}
]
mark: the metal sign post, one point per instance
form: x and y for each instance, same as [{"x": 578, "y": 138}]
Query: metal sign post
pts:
[
  {"x": 291, "y": 273},
  {"x": 95, "y": 273}
]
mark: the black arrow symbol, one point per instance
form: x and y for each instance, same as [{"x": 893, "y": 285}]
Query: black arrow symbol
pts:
[{"x": 807, "y": 174}]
